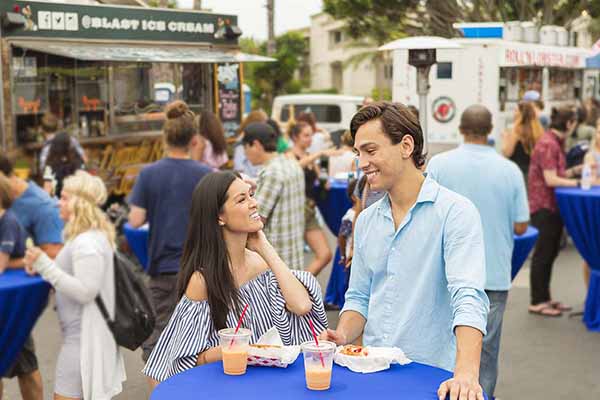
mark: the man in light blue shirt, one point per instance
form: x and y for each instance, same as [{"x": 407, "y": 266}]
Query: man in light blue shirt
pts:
[
  {"x": 495, "y": 185},
  {"x": 418, "y": 271}
]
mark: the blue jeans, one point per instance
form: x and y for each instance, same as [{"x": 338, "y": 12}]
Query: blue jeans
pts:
[{"x": 488, "y": 371}]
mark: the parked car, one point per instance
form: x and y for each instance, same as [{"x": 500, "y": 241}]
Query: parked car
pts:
[{"x": 333, "y": 112}]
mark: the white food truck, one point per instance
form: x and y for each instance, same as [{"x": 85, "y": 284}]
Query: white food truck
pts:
[{"x": 491, "y": 70}]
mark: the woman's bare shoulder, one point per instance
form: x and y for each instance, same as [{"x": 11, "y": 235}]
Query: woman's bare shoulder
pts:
[
  {"x": 196, "y": 288},
  {"x": 256, "y": 263}
]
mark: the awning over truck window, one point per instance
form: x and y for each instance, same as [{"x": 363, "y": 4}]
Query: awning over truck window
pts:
[{"x": 139, "y": 53}]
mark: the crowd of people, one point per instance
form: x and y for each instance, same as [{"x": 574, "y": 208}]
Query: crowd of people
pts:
[{"x": 429, "y": 251}]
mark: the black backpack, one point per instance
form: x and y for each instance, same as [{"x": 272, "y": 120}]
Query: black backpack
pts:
[
  {"x": 576, "y": 154},
  {"x": 134, "y": 314}
]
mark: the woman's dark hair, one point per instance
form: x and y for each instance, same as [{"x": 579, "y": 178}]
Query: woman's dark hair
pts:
[
  {"x": 211, "y": 128},
  {"x": 180, "y": 126},
  {"x": 581, "y": 115},
  {"x": 295, "y": 129},
  {"x": 275, "y": 127},
  {"x": 205, "y": 249},
  {"x": 49, "y": 123},
  {"x": 309, "y": 118},
  {"x": 6, "y": 165},
  {"x": 560, "y": 117},
  {"x": 63, "y": 155},
  {"x": 397, "y": 120},
  {"x": 63, "y": 159}
]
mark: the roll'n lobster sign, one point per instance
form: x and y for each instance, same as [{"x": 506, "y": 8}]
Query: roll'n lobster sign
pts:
[
  {"x": 91, "y": 104},
  {"x": 29, "y": 106}
]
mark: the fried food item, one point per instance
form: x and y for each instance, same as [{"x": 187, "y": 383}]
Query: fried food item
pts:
[{"x": 356, "y": 351}]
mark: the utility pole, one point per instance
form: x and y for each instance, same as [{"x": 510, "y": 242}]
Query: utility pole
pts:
[{"x": 271, "y": 23}]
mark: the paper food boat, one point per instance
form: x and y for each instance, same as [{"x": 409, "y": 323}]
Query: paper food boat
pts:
[{"x": 269, "y": 351}]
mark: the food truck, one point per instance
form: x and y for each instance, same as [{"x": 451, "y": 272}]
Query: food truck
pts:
[
  {"x": 107, "y": 73},
  {"x": 491, "y": 70}
]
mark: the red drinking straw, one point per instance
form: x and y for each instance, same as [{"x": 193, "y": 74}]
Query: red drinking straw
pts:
[
  {"x": 237, "y": 328},
  {"x": 312, "y": 328}
]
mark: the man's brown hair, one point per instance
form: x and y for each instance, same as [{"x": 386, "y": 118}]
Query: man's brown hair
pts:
[{"x": 397, "y": 120}]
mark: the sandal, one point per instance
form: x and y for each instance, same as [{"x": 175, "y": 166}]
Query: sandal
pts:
[
  {"x": 560, "y": 306},
  {"x": 546, "y": 310}
]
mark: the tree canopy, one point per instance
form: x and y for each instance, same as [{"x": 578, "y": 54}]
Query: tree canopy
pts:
[
  {"x": 386, "y": 20},
  {"x": 268, "y": 80}
]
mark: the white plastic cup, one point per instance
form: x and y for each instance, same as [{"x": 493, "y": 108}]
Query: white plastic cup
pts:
[
  {"x": 234, "y": 350},
  {"x": 318, "y": 363}
]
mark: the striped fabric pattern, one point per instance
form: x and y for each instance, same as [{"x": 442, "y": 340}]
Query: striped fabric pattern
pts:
[{"x": 190, "y": 330}]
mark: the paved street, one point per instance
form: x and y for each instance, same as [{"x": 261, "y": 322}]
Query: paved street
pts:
[{"x": 542, "y": 358}]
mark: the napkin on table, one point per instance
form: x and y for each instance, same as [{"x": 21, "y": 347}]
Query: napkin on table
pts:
[{"x": 378, "y": 359}]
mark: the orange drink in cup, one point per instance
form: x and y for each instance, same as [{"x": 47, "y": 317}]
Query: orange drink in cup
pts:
[
  {"x": 234, "y": 349},
  {"x": 318, "y": 361}
]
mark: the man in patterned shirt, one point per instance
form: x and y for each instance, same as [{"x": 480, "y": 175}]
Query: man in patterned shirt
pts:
[{"x": 279, "y": 193}]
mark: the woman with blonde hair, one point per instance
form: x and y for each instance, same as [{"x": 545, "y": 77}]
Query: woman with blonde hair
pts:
[
  {"x": 90, "y": 364},
  {"x": 518, "y": 144}
]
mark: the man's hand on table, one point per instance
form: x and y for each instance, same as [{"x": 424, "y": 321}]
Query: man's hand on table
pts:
[{"x": 461, "y": 387}]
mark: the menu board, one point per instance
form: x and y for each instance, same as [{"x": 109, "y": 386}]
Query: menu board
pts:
[{"x": 229, "y": 97}]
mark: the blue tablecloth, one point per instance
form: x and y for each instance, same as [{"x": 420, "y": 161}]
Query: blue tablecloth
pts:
[
  {"x": 338, "y": 281},
  {"x": 22, "y": 300},
  {"x": 580, "y": 211},
  {"x": 413, "y": 381},
  {"x": 333, "y": 204},
  {"x": 138, "y": 242},
  {"x": 523, "y": 246}
]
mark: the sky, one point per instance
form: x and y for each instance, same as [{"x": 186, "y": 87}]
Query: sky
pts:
[{"x": 252, "y": 14}]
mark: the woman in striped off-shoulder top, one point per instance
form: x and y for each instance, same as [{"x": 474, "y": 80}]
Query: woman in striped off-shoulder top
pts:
[{"x": 227, "y": 263}]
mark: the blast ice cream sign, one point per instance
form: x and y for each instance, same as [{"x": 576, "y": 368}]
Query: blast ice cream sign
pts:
[{"x": 102, "y": 22}]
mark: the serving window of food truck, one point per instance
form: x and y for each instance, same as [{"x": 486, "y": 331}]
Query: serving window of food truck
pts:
[
  {"x": 563, "y": 84},
  {"x": 107, "y": 73}
]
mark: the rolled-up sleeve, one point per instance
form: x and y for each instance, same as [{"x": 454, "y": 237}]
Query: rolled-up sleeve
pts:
[
  {"x": 358, "y": 293},
  {"x": 464, "y": 258}
]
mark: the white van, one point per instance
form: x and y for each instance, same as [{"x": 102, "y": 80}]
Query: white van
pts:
[{"x": 333, "y": 112}]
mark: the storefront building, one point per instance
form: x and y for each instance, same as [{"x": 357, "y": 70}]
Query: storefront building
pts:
[{"x": 107, "y": 74}]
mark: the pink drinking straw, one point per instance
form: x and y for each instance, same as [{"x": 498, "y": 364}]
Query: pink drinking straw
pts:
[
  {"x": 312, "y": 328},
  {"x": 237, "y": 328}
]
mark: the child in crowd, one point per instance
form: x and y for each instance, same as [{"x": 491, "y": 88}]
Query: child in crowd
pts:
[
  {"x": 12, "y": 234},
  {"x": 346, "y": 227}
]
